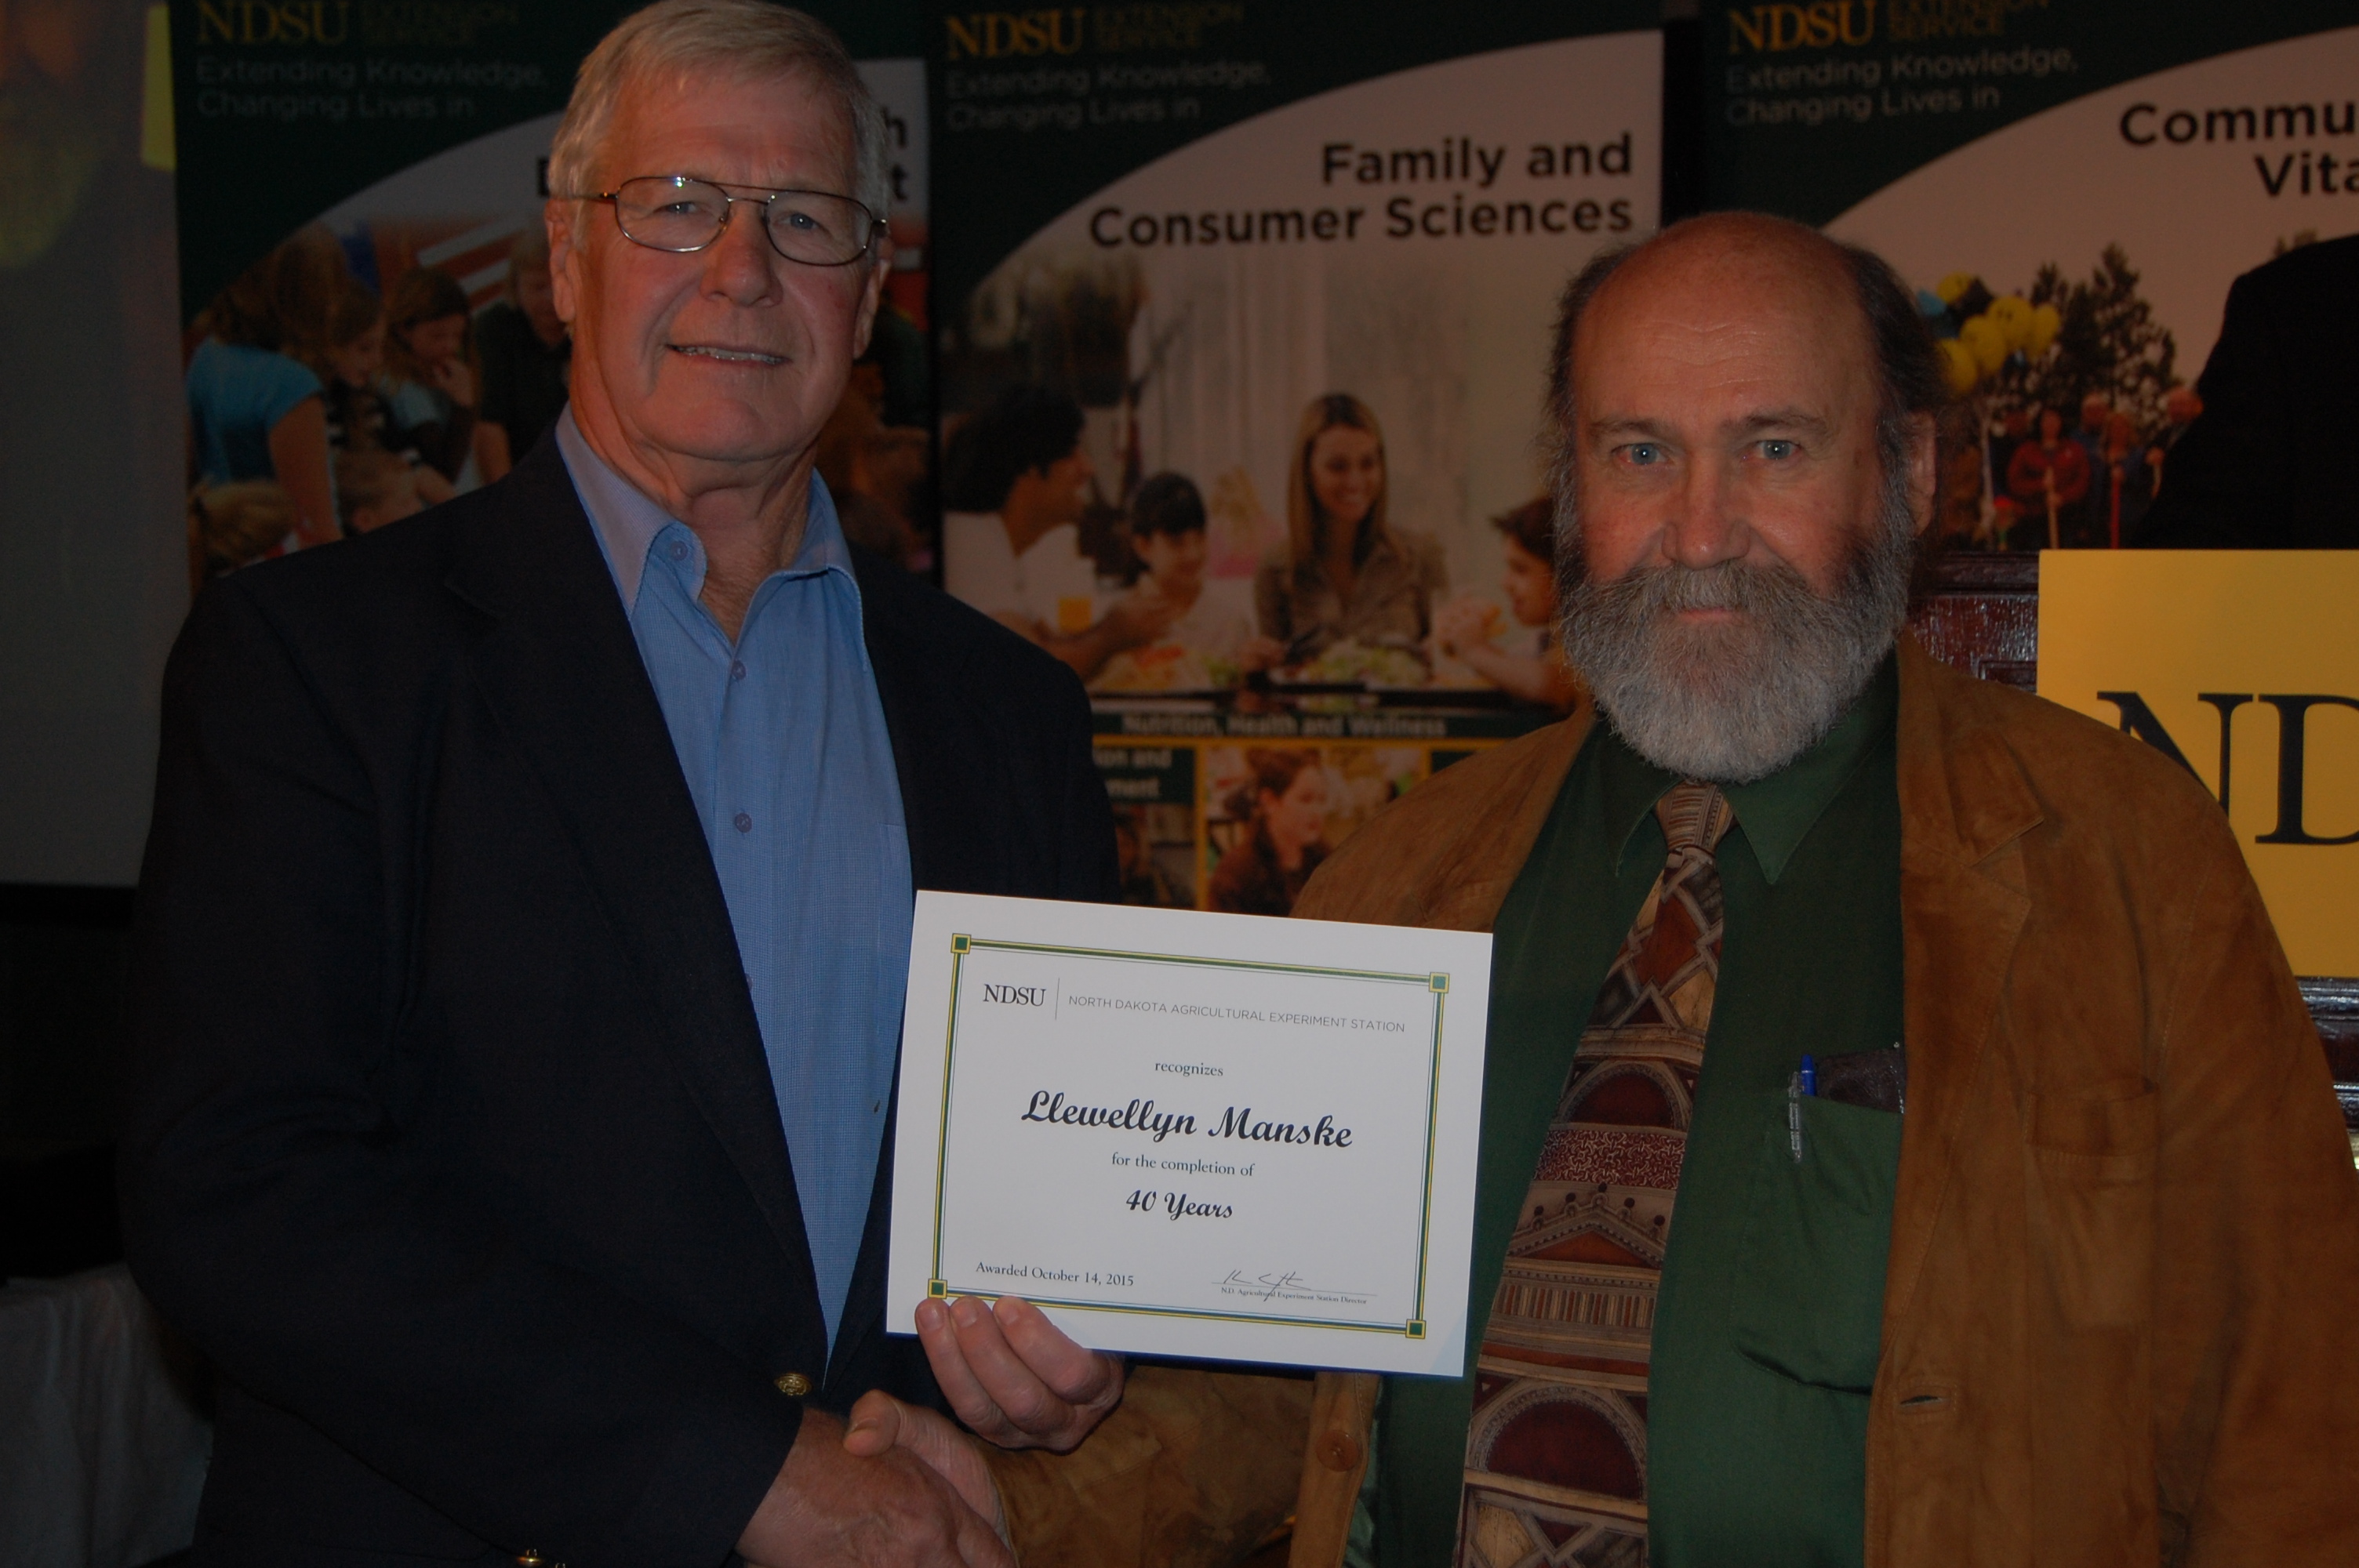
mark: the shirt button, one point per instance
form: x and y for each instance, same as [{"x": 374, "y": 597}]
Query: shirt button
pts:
[
  {"x": 679, "y": 549},
  {"x": 737, "y": 669},
  {"x": 745, "y": 822}
]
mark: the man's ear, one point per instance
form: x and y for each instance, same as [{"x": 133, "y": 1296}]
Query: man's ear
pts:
[
  {"x": 1924, "y": 469},
  {"x": 562, "y": 220}
]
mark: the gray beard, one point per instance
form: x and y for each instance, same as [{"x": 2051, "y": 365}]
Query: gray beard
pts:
[{"x": 1736, "y": 700}]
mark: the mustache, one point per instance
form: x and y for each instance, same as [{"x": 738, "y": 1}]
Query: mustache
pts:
[{"x": 1645, "y": 596}]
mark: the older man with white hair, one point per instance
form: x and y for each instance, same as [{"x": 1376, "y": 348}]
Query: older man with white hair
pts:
[{"x": 526, "y": 913}]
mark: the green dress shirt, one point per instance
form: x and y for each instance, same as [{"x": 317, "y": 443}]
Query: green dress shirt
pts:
[{"x": 1766, "y": 1327}]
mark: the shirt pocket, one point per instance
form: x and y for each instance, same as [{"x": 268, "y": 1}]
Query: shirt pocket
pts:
[
  {"x": 1807, "y": 1300},
  {"x": 2092, "y": 1173}
]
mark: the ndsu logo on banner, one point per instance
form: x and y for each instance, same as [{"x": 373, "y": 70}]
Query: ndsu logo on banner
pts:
[
  {"x": 1812, "y": 25},
  {"x": 2240, "y": 667},
  {"x": 1002, "y": 35},
  {"x": 288, "y": 22}
]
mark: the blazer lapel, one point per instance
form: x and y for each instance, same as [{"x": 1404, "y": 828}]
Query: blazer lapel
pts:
[
  {"x": 951, "y": 846},
  {"x": 1964, "y": 806},
  {"x": 562, "y": 675}
]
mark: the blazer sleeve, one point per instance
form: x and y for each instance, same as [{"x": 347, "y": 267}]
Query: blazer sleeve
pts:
[
  {"x": 277, "y": 1204},
  {"x": 2257, "y": 1261}
]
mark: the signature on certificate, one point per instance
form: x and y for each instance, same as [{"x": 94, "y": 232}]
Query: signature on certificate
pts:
[{"x": 1269, "y": 1287}]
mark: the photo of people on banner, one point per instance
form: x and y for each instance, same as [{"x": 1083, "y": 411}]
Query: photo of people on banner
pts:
[
  {"x": 1168, "y": 592},
  {"x": 1257, "y": 416},
  {"x": 1245, "y": 435},
  {"x": 347, "y": 381},
  {"x": 2074, "y": 401},
  {"x": 2131, "y": 242},
  {"x": 344, "y": 383},
  {"x": 404, "y": 347}
]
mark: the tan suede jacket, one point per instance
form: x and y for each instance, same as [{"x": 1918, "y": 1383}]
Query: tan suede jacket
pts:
[{"x": 2119, "y": 1315}]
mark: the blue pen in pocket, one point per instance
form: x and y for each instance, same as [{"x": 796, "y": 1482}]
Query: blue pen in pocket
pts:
[{"x": 1797, "y": 1084}]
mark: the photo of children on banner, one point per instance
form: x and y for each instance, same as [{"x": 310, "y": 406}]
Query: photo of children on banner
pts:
[
  {"x": 351, "y": 360},
  {"x": 1139, "y": 833},
  {"x": 1276, "y": 812},
  {"x": 375, "y": 488},
  {"x": 352, "y": 374},
  {"x": 1283, "y": 806},
  {"x": 429, "y": 381},
  {"x": 1209, "y": 640},
  {"x": 298, "y": 364},
  {"x": 1348, "y": 597},
  {"x": 1016, "y": 485},
  {"x": 1470, "y": 630},
  {"x": 254, "y": 409},
  {"x": 233, "y": 523}
]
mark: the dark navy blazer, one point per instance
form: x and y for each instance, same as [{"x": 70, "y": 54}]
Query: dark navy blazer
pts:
[{"x": 448, "y": 1130}]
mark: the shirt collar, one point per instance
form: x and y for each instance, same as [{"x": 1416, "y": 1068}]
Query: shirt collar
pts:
[
  {"x": 627, "y": 523},
  {"x": 1778, "y": 812}
]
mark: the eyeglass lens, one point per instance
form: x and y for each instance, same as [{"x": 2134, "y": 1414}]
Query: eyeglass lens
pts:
[{"x": 666, "y": 213}]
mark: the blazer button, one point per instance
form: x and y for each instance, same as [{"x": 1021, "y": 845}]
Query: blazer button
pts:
[{"x": 794, "y": 1385}]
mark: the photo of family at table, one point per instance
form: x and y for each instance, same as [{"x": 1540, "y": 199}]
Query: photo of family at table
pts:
[{"x": 1127, "y": 584}]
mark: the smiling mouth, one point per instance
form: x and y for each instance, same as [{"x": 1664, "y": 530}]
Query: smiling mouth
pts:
[{"x": 727, "y": 356}]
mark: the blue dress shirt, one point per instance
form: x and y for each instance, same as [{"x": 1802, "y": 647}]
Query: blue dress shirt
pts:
[{"x": 783, "y": 742}]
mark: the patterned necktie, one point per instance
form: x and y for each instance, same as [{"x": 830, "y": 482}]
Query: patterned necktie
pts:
[{"x": 1556, "y": 1454}]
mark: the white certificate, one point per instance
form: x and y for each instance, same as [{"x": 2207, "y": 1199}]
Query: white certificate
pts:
[{"x": 1183, "y": 1134}]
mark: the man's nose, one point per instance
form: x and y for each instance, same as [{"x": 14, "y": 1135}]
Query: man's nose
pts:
[
  {"x": 740, "y": 265},
  {"x": 1705, "y": 525}
]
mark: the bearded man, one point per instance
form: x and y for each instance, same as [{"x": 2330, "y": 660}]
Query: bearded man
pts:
[{"x": 2015, "y": 1221}]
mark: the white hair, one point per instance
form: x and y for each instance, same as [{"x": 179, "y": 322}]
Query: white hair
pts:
[{"x": 683, "y": 42}]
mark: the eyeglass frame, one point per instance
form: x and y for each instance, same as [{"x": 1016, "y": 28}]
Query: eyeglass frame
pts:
[{"x": 612, "y": 199}]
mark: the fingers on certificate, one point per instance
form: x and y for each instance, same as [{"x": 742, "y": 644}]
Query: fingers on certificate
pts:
[{"x": 1015, "y": 1378}]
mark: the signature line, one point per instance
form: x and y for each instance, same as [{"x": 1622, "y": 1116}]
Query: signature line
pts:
[{"x": 1266, "y": 1286}]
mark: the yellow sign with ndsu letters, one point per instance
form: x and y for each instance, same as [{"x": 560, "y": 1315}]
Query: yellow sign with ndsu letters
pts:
[{"x": 2242, "y": 665}]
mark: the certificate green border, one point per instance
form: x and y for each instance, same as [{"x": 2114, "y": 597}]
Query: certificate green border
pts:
[{"x": 1437, "y": 984}]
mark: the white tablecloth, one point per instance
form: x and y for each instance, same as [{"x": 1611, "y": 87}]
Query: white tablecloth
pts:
[{"x": 102, "y": 1453}]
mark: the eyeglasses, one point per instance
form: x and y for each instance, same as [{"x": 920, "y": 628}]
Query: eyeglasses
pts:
[{"x": 673, "y": 212}]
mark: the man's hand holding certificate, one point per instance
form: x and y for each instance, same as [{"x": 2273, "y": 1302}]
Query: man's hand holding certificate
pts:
[{"x": 1188, "y": 1134}]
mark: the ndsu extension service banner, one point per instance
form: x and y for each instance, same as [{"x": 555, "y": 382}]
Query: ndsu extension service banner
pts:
[
  {"x": 2239, "y": 665},
  {"x": 2072, "y": 185},
  {"x": 1191, "y": 258},
  {"x": 361, "y": 185}
]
